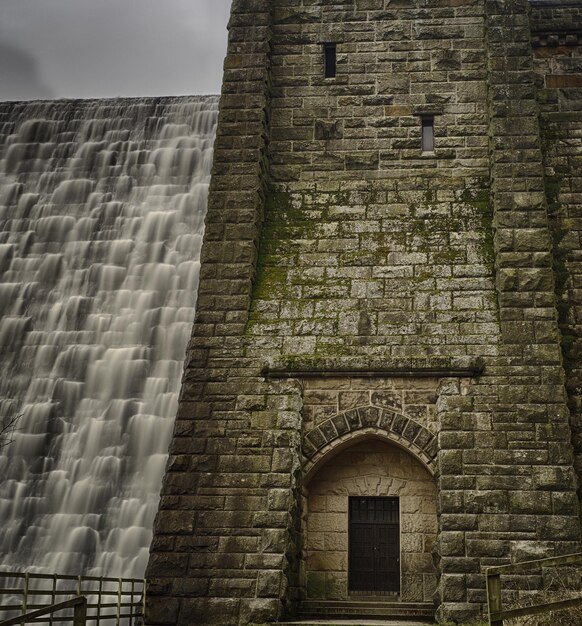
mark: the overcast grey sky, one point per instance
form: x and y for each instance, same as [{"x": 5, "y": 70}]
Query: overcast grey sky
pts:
[{"x": 108, "y": 48}]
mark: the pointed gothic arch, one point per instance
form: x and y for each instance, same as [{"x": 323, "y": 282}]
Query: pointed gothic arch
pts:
[
  {"x": 342, "y": 429},
  {"x": 368, "y": 458}
]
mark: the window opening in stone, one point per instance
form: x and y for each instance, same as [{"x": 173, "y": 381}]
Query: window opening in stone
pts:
[
  {"x": 330, "y": 57},
  {"x": 427, "y": 133}
]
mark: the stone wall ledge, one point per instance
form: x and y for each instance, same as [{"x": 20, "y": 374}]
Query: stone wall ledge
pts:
[
  {"x": 343, "y": 367},
  {"x": 555, "y": 3}
]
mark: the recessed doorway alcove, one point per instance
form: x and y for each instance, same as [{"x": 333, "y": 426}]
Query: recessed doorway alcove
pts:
[{"x": 369, "y": 525}]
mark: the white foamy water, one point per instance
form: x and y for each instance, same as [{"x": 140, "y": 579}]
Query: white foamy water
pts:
[{"x": 101, "y": 217}]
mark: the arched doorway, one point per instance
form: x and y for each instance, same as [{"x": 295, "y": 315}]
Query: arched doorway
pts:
[{"x": 369, "y": 523}]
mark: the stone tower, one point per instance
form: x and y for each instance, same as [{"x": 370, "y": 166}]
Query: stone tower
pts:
[{"x": 374, "y": 400}]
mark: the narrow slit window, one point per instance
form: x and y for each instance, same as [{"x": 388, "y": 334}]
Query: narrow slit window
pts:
[
  {"x": 330, "y": 59},
  {"x": 428, "y": 133}
]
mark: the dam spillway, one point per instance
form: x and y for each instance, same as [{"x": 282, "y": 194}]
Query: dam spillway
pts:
[{"x": 102, "y": 208}]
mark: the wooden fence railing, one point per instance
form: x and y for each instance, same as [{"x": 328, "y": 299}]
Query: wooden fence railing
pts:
[
  {"x": 496, "y": 611},
  {"x": 78, "y": 604},
  {"x": 109, "y": 601}
]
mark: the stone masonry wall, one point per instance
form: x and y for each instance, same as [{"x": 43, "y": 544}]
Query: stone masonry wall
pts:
[
  {"x": 377, "y": 261},
  {"x": 369, "y": 244},
  {"x": 557, "y": 37},
  {"x": 372, "y": 248},
  {"x": 414, "y": 399},
  {"x": 413, "y": 256},
  {"x": 555, "y": 24}
]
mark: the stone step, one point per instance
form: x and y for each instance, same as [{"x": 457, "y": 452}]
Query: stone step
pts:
[
  {"x": 356, "y": 622},
  {"x": 311, "y": 609}
]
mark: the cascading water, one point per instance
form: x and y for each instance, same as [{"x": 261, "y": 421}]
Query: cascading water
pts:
[{"x": 101, "y": 216}]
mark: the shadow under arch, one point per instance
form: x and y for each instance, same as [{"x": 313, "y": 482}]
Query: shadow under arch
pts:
[{"x": 367, "y": 422}]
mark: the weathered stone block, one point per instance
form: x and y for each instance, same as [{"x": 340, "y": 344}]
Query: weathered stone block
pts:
[
  {"x": 452, "y": 544},
  {"x": 162, "y": 610},
  {"x": 453, "y": 587},
  {"x": 269, "y": 584},
  {"x": 211, "y": 611},
  {"x": 273, "y": 540},
  {"x": 259, "y": 610}
]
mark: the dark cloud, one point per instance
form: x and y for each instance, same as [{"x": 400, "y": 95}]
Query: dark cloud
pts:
[
  {"x": 108, "y": 48},
  {"x": 19, "y": 76}
]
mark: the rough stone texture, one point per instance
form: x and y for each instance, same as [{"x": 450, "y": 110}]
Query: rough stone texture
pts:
[
  {"x": 413, "y": 398},
  {"x": 333, "y": 240}
]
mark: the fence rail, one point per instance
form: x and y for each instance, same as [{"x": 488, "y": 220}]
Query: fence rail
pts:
[
  {"x": 496, "y": 611},
  {"x": 78, "y": 604},
  {"x": 110, "y": 601}
]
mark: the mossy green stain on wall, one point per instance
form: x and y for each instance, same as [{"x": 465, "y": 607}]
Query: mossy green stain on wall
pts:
[
  {"x": 336, "y": 250},
  {"x": 480, "y": 200},
  {"x": 270, "y": 278}
]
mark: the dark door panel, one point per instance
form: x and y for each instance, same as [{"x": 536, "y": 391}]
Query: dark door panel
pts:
[
  {"x": 387, "y": 566},
  {"x": 374, "y": 545},
  {"x": 361, "y": 557}
]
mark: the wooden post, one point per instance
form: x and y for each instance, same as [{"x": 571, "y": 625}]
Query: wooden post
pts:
[
  {"x": 118, "y": 622},
  {"x": 143, "y": 601},
  {"x": 53, "y": 597},
  {"x": 26, "y": 586},
  {"x": 99, "y": 600},
  {"x": 80, "y": 613},
  {"x": 494, "y": 598},
  {"x": 131, "y": 609}
]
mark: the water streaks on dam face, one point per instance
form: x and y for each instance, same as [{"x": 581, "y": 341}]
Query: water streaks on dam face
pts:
[{"x": 101, "y": 216}]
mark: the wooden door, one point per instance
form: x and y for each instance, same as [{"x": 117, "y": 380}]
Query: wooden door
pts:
[{"x": 374, "y": 545}]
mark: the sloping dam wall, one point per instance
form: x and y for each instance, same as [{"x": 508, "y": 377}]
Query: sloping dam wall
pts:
[{"x": 102, "y": 208}]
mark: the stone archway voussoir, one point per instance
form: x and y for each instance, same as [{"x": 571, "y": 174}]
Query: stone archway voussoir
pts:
[{"x": 383, "y": 422}]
